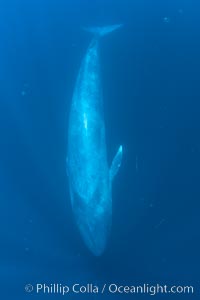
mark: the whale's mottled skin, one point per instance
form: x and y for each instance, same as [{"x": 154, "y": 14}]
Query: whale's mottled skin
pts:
[{"x": 90, "y": 178}]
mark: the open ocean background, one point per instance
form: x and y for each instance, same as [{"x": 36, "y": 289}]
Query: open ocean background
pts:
[{"x": 151, "y": 85}]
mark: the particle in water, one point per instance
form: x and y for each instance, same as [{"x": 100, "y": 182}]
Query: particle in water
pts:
[
  {"x": 23, "y": 93},
  {"x": 180, "y": 11},
  {"x": 166, "y": 20}
]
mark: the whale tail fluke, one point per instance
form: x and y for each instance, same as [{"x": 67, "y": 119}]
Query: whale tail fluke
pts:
[{"x": 101, "y": 31}]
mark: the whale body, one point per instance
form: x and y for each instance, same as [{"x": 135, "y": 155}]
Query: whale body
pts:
[{"x": 90, "y": 178}]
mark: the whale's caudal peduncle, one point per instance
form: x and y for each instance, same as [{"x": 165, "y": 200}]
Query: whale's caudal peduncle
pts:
[
  {"x": 90, "y": 178},
  {"x": 101, "y": 31}
]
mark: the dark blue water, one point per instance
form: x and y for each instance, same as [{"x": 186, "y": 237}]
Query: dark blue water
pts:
[{"x": 151, "y": 82}]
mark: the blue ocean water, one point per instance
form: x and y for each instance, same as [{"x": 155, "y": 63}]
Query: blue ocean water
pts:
[{"x": 150, "y": 78}]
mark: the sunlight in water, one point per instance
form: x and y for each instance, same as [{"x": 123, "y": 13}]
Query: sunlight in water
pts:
[{"x": 85, "y": 122}]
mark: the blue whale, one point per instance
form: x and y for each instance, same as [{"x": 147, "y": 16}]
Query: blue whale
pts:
[{"x": 90, "y": 178}]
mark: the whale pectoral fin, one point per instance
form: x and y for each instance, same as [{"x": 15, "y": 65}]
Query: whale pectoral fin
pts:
[{"x": 116, "y": 163}]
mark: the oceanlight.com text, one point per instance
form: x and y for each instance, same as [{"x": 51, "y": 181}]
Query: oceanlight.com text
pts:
[{"x": 111, "y": 288}]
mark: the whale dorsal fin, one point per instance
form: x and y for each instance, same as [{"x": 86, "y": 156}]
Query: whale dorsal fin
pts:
[{"x": 116, "y": 163}]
